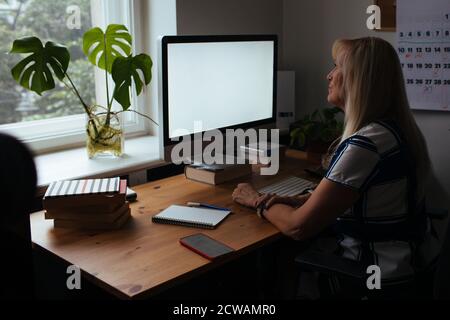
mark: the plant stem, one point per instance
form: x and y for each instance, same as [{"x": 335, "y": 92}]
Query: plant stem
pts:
[
  {"x": 85, "y": 106},
  {"x": 107, "y": 83},
  {"x": 107, "y": 95},
  {"x": 68, "y": 87},
  {"x": 74, "y": 88}
]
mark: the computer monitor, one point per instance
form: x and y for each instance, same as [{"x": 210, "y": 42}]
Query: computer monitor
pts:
[{"x": 224, "y": 82}]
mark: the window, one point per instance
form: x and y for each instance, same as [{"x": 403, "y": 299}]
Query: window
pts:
[
  {"x": 56, "y": 118},
  {"x": 42, "y": 18}
]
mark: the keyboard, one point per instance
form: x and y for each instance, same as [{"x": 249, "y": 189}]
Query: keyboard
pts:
[{"x": 289, "y": 187}]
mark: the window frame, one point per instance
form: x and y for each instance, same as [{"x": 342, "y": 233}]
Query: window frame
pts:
[{"x": 50, "y": 135}]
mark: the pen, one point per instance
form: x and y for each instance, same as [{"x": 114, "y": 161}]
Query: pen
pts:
[{"x": 204, "y": 205}]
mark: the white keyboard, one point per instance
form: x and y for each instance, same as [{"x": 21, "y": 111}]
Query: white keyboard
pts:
[{"x": 289, "y": 187}]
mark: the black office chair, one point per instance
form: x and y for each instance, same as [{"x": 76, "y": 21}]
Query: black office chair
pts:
[
  {"x": 442, "y": 278},
  {"x": 17, "y": 193},
  {"x": 434, "y": 282}
]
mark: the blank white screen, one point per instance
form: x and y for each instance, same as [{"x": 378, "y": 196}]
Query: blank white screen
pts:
[{"x": 220, "y": 84}]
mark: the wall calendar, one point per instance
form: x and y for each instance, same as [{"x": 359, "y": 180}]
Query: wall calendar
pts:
[{"x": 423, "y": 35}]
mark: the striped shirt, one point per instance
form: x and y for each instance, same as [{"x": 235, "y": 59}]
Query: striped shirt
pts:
[{"x": 373, "y": 162}]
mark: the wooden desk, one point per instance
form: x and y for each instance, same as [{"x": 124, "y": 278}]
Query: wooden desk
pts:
[{"x": 143, "y": 258}]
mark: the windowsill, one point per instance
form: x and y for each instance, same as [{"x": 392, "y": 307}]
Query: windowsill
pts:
[{"x": 140, "y": 153}]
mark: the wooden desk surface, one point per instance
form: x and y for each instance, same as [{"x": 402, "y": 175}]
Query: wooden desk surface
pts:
[{"x": 143, "y": 258}]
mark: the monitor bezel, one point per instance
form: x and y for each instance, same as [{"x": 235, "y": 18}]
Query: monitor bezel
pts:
[{"x": 166, "y": 40}]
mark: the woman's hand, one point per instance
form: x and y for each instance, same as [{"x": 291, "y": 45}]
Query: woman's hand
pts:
[
  {"x": 290, "y": 201},
  {"x": 246, "y": 195}
]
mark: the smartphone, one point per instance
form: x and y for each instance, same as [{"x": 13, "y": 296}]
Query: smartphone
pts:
[{"x": 205, "y": 246}]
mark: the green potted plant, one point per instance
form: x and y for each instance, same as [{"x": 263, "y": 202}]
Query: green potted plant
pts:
[
  {"x": 315, "y": 132},
  {"x": 109, "y": 50}
]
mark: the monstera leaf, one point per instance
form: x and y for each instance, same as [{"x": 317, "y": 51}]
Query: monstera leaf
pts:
[
  {"x": 109, "y": 45},
  {"x": 124, "y": 71},
  {"x": 33, "y": 72}
]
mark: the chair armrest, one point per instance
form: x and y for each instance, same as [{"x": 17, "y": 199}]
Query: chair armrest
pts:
[
  {"x": 437, "y": 213},
  {"x": 330, "y": 264}
]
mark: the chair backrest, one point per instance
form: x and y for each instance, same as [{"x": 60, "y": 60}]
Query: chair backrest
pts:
[{"x": 442, "y": 276}]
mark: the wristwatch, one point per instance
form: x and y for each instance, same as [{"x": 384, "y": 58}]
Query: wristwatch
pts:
[{"x": 260, "y": 209}]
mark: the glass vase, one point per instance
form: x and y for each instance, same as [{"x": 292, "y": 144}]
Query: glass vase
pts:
[{"x": 105, "y": 137}]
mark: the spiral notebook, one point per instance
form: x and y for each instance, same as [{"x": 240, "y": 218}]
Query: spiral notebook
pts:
[{"x": 191, "y": 217}]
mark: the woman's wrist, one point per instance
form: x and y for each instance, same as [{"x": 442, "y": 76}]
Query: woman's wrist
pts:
[
  {"x": 262, "y": 198},
  {"x": 261, "y": 206}
]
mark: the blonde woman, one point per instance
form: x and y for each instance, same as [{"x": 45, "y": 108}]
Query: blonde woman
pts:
[{"x": 373, "y": 192}]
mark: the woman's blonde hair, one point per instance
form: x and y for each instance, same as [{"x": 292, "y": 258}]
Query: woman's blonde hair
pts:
[{"x": 374, "y": 89}]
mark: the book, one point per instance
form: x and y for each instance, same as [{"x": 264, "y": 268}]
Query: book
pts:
[
  {"x": 87, "y": 214},
  {"x": 86, "y": 210},
  {"x": 82, "y": 187},
  {"x": 94, "y": 225},
  {"x": 64, "y": 197},
  {"x": 216, "y": 174},
  {"x": 191, "y": 217}
]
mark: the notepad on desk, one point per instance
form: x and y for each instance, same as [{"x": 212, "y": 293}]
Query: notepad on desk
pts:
[{"x": 191, "y": 217}]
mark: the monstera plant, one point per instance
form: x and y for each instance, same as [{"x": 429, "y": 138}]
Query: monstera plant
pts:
[{"x": 109, "y": 50}]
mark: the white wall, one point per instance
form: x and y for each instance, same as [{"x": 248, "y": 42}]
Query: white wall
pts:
[
  {"x": 215, "y": 17},
  {"x": 161, "y": 20},
  {"x": 307, "y": 30}
]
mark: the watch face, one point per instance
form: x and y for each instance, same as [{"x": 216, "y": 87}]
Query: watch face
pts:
[
  {"x": 260, "y": 210},
  {"x": 263, "y": 214}
]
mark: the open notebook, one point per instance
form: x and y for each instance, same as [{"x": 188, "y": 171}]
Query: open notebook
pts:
[{"x": 191, "y": 217}]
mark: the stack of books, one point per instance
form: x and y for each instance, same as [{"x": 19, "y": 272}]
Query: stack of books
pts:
[
  {"x": 215, "y": 174},
  {"x": 87, "y": 204}
]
